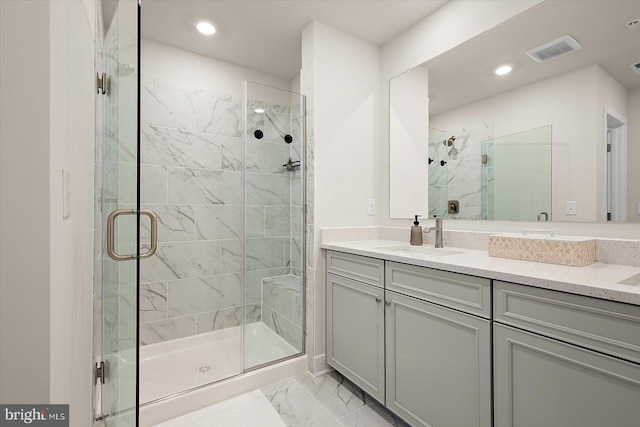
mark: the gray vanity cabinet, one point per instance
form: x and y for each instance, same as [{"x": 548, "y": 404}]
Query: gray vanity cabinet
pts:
[
  {"x": 438, "y": 364},
  {"x": 438, "y": 358},
  {"x": 355, "y": 320},
  {"x": 564, "y": 360}
]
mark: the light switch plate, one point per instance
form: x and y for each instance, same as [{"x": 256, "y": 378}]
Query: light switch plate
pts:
[
  {"x": 66, "y": 194},
  {"x": 570, "y": 207}
]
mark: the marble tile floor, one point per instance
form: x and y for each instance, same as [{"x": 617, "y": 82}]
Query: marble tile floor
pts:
[
  {"x": 326, "y": 401},
  {"x": 329, "y": 400}
]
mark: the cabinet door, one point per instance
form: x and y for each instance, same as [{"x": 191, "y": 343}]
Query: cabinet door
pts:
[
  {"x": 438, "y": 364},
  {"x": 543, "y": 382},
  {"x": 355, "y": 332}
]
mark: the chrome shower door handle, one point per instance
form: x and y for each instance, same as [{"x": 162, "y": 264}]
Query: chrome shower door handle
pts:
[{"x": 111, "y": 220}]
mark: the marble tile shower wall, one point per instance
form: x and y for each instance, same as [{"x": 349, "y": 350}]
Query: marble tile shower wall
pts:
[
  {"x": 465, "y": 171},
  {"x": 307, "y": 89},
  {"x": 192, "y": 178}
]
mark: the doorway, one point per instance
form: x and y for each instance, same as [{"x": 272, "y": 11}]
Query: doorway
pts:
[{"x": 615, "y": 141}]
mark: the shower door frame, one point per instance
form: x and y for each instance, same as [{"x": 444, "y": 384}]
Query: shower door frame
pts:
[{"x": 107, "y": 239}]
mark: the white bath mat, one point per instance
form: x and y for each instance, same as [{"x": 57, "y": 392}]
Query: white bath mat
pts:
[{"x": 247, "y": 410}]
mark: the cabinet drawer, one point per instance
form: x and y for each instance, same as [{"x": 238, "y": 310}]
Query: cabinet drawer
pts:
[
  {"x": 364, "y": 269},
  {"x": 467, "y": 293},
  {"x": 604, "y": 326}
]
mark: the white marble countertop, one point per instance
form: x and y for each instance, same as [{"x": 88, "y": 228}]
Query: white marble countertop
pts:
[{"x": 597, "y": 280}]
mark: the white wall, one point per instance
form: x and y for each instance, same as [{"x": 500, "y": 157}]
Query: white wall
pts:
[
  {"x": 633, "y": 154},
  {"x": 345, "y": 111},
  {"x": 24, "y": 202},
  {"x": 46, "y": 81},
  {"x": 347, "y": 100},
  {"x": 158, "y": 60},
  {"x": 409, "y": 129},
  {"x": 572, "y": 103},
  {"x": 449, "y": 26},
  {"x": 72, "y": 85}
]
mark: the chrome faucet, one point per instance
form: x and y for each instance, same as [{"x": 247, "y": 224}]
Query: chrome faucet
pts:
[
  {"x": 438, "y": 229},
  {"x": 546, "y": 216}
]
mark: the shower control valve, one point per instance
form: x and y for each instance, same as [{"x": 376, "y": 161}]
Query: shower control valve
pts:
[{"x": 292, "y": 165}]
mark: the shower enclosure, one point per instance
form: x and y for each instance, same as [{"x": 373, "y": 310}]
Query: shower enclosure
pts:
[
  {"x": 503, "y": 178},
  {"x": 210, "y": 285}
]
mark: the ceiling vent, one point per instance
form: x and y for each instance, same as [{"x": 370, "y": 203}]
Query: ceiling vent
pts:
[
  {"x": 635, "y": 67},
  {"x": 554, "y": 49}
]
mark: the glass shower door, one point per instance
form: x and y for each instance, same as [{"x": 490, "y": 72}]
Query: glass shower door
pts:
[
  {"x": 273, "y": 253},
  {"x": 119, "y": 218}
]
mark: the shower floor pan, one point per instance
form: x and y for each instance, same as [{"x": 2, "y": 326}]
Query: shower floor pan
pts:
[{"x": 174, "y": 366}]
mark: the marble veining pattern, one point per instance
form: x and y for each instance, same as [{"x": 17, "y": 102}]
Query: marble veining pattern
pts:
[
  {"x": 262, "y": 254},
  {"x": 151, "y": 333},
  {"x": 191, "y": 164},
  {"x": 282, "y": 326},
  {"x": 231, "y": 256},
  {"x": 328, "y": 400},
  {"x": 191, "y": 296},
  {"x": 218, "y": 222},
  {"x": 253, "y": 291},
  {"x": 217, "y": 116},
  {"x": 220, "y": 319},
  {"x": 325, "y": 401},
  {"x": 168, "y": 108},
  {"x": 153, "y": 302},
  {"x": 181, "y": 260},
  {"x": 283, "y": 294},
  {"x": 264, "y": 157},
  {"x": 463, "y": 171},
  {"x": 263, "y": 189},
  {"x": 203, "y": 186},
  {"x": 175, "y": 223},
  {"x": 178, "y": 147}
]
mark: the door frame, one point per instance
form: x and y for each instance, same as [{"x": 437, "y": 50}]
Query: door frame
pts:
[{"x": 619, "y": 166}]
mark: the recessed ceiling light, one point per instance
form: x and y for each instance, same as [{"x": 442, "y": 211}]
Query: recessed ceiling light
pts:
[
  {"x": 259, "y": 110},
  {"x": 502, "y": 70},
  {"x": 206, "y": 28}
]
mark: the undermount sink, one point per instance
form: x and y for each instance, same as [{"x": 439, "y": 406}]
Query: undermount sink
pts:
[
  {"x": 631, "y": 281},
  {"x": 424, "y": 250}
]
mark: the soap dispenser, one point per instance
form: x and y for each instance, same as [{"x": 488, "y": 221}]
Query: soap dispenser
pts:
[{"x": 416, "y": 233}]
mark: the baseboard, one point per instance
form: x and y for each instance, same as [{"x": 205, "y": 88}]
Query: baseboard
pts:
[{"x": 318, "y": 365}]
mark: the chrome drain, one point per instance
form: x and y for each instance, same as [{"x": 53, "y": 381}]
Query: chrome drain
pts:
[{"x": 205, "y": 368}]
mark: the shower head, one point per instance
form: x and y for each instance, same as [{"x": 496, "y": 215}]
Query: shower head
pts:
[{"x": 449, "y": 142}]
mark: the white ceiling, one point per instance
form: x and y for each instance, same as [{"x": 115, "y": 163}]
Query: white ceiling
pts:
[
  {"x": 465, "y": 74},
  {"x": 266, "y": 35}
]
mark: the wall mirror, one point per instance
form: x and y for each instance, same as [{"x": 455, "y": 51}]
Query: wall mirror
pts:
[{"x": 556, "y": 138}]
